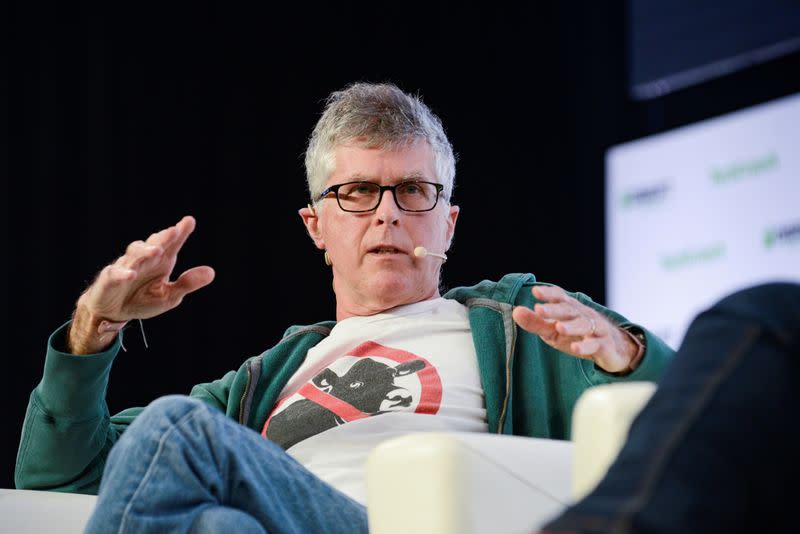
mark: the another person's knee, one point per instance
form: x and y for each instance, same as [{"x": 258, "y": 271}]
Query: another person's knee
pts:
[
  {"x": 763, "y": 295},
  {"x": 775, "y": 305},
  {"x": 162, "y": 414},
  {"x": 214, "y": 519},
  {"x": 145, "y": 436},
  {"x": 172, "y": 406}
]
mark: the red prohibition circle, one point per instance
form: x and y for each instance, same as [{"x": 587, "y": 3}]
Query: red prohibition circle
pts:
[{"x": 431, "y": 396}]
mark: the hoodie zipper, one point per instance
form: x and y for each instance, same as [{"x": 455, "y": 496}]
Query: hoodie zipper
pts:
[
  {"x": 509, "y": 357},
  {"x": 254, "y": 371},
  {"x": 253, "y": 376},
  {"x": 244, "y": 395}
]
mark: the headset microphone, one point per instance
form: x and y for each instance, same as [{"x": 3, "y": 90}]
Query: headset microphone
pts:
[{"x": 421, "y": 252}]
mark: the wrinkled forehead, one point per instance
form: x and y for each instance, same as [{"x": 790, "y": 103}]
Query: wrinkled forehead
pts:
[{"x": 382, "y": 163}]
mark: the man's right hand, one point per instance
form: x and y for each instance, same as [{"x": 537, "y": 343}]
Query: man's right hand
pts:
[{"x": 135, "y": 286}]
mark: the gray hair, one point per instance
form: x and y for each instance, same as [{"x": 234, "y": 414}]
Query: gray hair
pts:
[{"x": 375, "y": 116}]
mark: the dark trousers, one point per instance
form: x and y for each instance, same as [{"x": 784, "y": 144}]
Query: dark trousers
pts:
[{"x": 714, "y": 450}]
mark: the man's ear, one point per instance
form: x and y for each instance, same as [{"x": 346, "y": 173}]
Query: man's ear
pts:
[
  {"x": 311, "y": 222},
  {"x": 452, "y": 216}
]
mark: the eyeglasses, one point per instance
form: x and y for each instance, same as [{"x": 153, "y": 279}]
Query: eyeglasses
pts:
[{"x": 357, "y": 197}]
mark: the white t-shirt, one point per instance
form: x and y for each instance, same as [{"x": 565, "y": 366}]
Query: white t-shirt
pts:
[{"x": 414, "y": 366}]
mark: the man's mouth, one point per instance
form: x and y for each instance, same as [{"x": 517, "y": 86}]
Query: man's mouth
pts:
[{"x": 385, "y": 250}]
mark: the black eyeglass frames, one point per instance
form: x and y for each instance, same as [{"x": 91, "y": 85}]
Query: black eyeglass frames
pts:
[{"x": 361, "y": 196}]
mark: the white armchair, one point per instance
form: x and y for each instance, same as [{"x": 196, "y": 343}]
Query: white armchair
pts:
[
  {"x": 466, "y": 483},
  {"x": 457, "y": 483},
  {"x": 462, "y": 483},
  {"x": 34, "y": 512}
]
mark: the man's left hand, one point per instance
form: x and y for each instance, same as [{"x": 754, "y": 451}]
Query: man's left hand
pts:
[{"x": 569, "y": 326}]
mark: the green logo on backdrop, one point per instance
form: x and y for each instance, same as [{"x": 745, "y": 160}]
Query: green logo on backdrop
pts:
[
  {"x": 690, "y": 257},
  {"x": 789, "y": 233},
  {"x": 644, "y": 196},
  {"x": 769, "y": 238},
  {"x": 744, "y": 169}
]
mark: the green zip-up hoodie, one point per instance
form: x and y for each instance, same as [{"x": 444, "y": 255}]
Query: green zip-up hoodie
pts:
[{"x": 530, "y": 388}]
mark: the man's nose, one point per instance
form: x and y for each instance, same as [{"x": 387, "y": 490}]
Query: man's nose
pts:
[{"x": 388, "y": 211}]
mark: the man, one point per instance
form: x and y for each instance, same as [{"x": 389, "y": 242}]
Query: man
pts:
[{"x": 399, "y": 358}]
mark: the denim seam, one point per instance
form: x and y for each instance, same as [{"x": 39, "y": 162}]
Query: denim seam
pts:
[
  {"x": 151, "y": 467},
  {"x": 624, "y": 521}
]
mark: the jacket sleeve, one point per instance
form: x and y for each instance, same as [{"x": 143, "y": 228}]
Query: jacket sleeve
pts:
[{"x": 68, "y": 432}]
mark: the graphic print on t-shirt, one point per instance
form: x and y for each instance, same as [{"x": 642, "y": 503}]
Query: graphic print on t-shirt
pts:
[{"x": 367, "y": 385}]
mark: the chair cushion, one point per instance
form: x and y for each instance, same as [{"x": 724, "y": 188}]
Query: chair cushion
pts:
[
  {"x": 27, "y": 511},
  {"x": 466, "y": 483}
]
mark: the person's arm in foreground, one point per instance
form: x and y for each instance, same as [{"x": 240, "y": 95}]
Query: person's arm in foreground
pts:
[{"x": 67, "y": 431}]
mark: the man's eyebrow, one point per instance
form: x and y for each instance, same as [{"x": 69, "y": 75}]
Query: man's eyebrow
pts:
[
  {"x": 412, "y": 176},
  {"x": 359, "y": 177}
]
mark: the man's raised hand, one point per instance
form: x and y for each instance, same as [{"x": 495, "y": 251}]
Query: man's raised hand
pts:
[
  {"x": 136, "y": 286},
  {"x": 574, "y": 328}
]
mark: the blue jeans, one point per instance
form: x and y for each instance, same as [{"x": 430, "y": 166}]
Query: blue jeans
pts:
[
  {"x": 183, "y": 466},
  {"x": 712, "y": 451}
]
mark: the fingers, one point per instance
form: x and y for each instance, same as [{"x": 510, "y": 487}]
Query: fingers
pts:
[
  {"x": 113, "y": 275},
  {"x": 163, "y": 238},
  {"x": 193, "y": 279},
  {"x": 137, "y": 284},
  {"x": 572, "y": 318},
  {"x": 163, "y": 245},
  {"x": 564, "y": 323},
  {"x": 139, "y": 254},
  {"x": 572, "y": 327},
  {"x": 561, "y": 310},
  {"x": 586, "y": 347},
  {"x": 190, "y": 280},
  {"x": 550, "y": 294},
  {"x": 174, "y": 237},
  {"x": 527, "y": 319},
  {"x": 183, "y": 229},
  {"x": 581, "y": 326}
]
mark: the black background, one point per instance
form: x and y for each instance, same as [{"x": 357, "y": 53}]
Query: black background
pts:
[{"x": 120, "y": 122}]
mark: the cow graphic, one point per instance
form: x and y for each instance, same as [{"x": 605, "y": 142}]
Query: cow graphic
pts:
[{"x": 330, "y": 400}]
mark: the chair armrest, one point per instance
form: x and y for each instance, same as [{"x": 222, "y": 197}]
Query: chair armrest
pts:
[
  {"x": 465, "y": 483},
  {"x": 27, "y": 511},
  {"x": 600, "y": 423}
]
